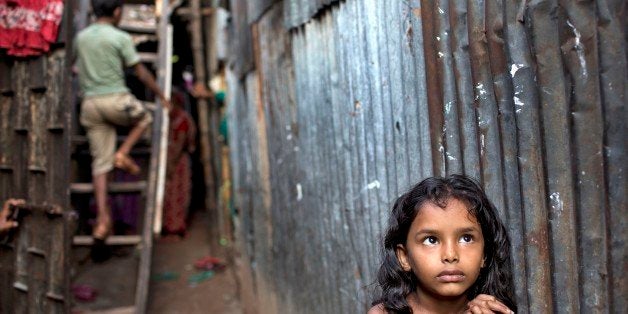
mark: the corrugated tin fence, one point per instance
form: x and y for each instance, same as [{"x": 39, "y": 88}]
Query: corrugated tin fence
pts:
[
  {"x": 34, "y": 159},
  {"x": 338, "y": 107}
]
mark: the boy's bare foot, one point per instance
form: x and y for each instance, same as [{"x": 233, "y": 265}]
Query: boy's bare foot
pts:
[
  {"x": 125, "y": 163},
  {"x": 102, "y": 228}
]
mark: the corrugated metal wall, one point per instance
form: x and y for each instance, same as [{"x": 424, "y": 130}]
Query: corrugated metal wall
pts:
[
  {"x": 34, "y": 159},
  {"x": 35, "y": 107},
  {"x": 343, "y": 105}
]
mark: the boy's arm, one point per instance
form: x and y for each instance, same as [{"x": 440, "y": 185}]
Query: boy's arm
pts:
[{"x": 149, "y": 81}]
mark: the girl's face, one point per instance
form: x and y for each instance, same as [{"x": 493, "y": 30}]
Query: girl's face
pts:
[{"x": 444, "y": 249}]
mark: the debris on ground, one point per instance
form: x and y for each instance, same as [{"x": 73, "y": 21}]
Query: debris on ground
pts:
[
  {"x": 85, "y": 293},
  {"x": 165, "y": 276},
  {"x": 195, "y": 279},
  {"x": 209, "y": 263}
]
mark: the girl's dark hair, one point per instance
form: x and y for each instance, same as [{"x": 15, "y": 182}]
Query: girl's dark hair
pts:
[
  {"x": 495, "y": 278},
  {"x": 105, "y": 8}
]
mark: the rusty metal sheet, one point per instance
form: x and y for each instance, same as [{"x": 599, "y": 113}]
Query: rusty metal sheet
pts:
[
  {"x": 452, "y": 152},
  {"x": 469, "y": 123},
  {"x": 6, "y": 65},
  {"x": 19, "y": 78},
  {"x": 354, "y": 98},
  {"x": 274, "y": 44},
  {"x": 416, "y": 94},
  {"x": 6, "y": 133},
  {"x": 34, "y": 266},
  {"x": 579, "y": 47},
  {"x": 556, "y": 132},
  {"x": 512, "y": 191},
  {"x": 526, "y": 101},
  {"x": 55, "y": 98},
  {"x": 489, "y": 142},
  {"x": 241, "y": 49},
  {"x": 434, "y": 94},
  {"x": 38, "y": 133},
  {"x": 298, "y": 12},
  {"x": 256, "y": 9},
  {"x": 613, "y": 68}
]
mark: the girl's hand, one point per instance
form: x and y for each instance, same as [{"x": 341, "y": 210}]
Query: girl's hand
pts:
[{"x": 486, "y": 304}]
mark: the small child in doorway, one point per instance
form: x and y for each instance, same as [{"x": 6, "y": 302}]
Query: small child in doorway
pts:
[{"x": 445, "y": 251}]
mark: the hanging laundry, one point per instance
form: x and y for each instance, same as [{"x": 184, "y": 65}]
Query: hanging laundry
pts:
[{"x": 28, "y": 27}]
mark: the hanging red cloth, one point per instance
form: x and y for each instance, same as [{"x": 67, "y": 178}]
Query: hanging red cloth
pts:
[{"x": 28, "y": 27}]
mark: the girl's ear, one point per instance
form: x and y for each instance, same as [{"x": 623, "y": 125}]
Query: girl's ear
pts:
[
  {"x": 483, "y": 260},
  {"x": 402, "y": 257}
]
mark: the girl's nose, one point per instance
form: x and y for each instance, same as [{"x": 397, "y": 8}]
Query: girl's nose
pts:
[{"x": 449, "y": 254}]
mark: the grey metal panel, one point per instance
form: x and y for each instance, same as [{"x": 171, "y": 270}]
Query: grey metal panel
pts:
[
  {"x": 465, "y": 88},
  {"x": 354, "y": 97},
  {"x": 533, "y": 201},
  {"x": 556, "y": 132},
  {"x": 34, "y": 118},
  {"x": 612, "y": 52},
  {"x": 299, "y": 12},
  {"x": 490, "y": 151},
  {"x": 503, "y": 88},
  {"x": 257, "y": 8},
  {"x": 240, "y": 48},
  {"x": 433, "y": 88},
  {"x": 579, "y": 45},
  {"x": 452, "y": 153}
]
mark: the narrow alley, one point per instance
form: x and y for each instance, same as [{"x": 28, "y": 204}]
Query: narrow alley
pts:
[{"x": 313, "y": 156}]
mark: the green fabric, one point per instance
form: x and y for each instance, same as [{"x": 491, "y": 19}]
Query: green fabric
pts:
[{"x": 102, "y": 51}]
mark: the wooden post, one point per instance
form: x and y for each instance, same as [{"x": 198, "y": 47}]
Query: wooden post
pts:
[
  {"x": 203, "y": 113},
  {"x": 156, "y": 180}
]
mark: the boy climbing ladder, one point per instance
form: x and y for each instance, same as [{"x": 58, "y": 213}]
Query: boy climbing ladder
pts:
[{"x": 102, "y": 52}]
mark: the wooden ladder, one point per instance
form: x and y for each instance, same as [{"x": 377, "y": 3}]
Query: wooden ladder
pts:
[{"x": 151, "y": 185}]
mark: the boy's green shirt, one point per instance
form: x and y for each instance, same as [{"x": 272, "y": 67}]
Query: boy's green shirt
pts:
[{"x": 102, "y": 52}]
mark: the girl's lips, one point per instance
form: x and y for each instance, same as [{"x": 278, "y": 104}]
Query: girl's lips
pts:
[{"x": 450, "y": 276}]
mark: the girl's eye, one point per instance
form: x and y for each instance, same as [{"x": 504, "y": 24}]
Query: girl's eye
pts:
[
  {"x": 431, "y": 240},
  {"x": 467, "y": 238}
]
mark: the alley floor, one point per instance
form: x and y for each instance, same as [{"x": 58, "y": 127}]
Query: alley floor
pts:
[
  {"x": 176, "y": 286},
  {"x": 185, "y": 294}
]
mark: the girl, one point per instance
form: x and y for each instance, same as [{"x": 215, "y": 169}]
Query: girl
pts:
[{"x": 445, "y": 251}]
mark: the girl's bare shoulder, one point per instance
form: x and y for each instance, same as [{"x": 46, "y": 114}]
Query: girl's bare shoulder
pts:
[{"x": 377, "y": 309}]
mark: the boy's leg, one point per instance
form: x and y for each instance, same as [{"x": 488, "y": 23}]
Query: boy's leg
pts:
[
  {"x": 141, "y": 118},
  {"x": 102, "y": 144},
  {"x": 122, "y": 159},
  {"x": 103, "y": 221}
]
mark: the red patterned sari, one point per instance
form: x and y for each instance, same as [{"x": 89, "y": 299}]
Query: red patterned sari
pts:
[{"x": 179, "y": 177}]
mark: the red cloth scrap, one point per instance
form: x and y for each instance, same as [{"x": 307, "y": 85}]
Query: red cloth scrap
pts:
[{"x": 28, "y": 27}]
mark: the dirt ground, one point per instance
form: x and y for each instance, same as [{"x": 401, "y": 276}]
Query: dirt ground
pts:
[
  {"x": 214, "y": 295},
  {"x": 175, "y": 287}
]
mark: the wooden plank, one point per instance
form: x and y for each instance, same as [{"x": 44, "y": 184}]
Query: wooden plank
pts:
[
  {"x": 118, "y": 310},
  {"x": 148, "y": 57},
  {"x": 203, "y": 113},
  {"x": 163, "y": 145},
  {"x": 111, "y": 240},
  {"x": 157, "y": 172},
  {"x": 144, "y": 140},
  {"x": 114, "y": 187}
]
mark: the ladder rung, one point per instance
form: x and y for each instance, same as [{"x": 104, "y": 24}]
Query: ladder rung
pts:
[
  {"x": 82, "y": 139},
  {"x": 138, "y": 29},
  {"x": 148, "y": 57},
  {"x": 111, "y": 240},
  {"x": 113, "y": 187},
  {"x": 136, "y": 151}
]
